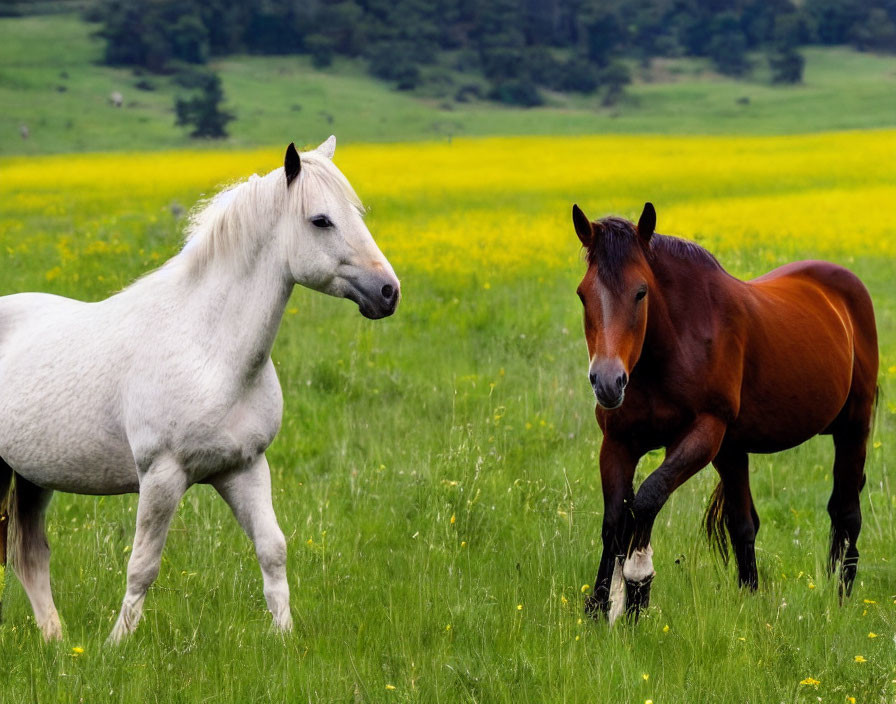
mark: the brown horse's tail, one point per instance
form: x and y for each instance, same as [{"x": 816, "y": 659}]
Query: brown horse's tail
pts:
[
  {"x": 6, "y": 496},
  {"x": 714, "y": 520}
]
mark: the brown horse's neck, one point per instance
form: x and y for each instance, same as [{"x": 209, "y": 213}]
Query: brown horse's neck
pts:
[{"x": 687, "y": 284}]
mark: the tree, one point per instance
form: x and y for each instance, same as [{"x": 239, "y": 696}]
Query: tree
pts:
[
  {"x": 728, "y": 46},
  {"x": 786, "y": 64},
  {"x": 614, "y": 78},
  {"x": 876, "y": 33},
  {"x": 203, "y": 111}
]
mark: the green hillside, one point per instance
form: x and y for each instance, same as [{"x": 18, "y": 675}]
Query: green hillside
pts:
[{"x": 51, "y": 80}]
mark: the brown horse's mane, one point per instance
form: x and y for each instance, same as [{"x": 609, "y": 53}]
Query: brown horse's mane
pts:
[{"x": 615, "y": 244}]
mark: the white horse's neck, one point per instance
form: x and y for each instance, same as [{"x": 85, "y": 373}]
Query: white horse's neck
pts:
[
  {"x": 228, "y": 287},
  {"x": 236, "y": 312}
]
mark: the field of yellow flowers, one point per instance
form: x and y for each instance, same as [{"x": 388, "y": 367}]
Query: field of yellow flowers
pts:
[{"x": 436, "y": 475}]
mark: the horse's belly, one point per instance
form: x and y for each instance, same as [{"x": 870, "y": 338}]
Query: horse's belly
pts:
[
  {"x": 60, "y": 426},
  {"x": 779, "y": 413}
]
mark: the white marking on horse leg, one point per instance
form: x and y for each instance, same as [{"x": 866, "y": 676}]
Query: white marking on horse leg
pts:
[
  {"x": 248, "y": 493},
  {"x": 617, "y": 592},
  {"x": 31, "y": 555},
  {"x": 639, "y": 566},
  {"x": 161, "y": 489}
]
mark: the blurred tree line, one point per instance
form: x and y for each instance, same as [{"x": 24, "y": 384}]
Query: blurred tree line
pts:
[{"x": 518, "y": 46}]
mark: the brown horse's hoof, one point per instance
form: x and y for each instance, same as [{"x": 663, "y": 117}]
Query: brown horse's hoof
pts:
[
  {"x": 596, "y": 607},
  {"x": 637, "y": 597}
]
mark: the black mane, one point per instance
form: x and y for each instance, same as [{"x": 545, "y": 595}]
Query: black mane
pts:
[{"x": 615, "y": 244}]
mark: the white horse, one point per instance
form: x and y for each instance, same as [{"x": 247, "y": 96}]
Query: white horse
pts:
[{"x": 170, "y": 382}]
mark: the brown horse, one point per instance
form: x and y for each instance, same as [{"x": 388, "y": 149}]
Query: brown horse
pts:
[{"x": 686, "y": 357}]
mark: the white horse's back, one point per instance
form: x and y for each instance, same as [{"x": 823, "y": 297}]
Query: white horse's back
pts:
[{"x": 59, "y": 395}]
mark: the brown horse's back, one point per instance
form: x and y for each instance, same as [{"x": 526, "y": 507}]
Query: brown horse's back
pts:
[{"x": 810, "y": 355}]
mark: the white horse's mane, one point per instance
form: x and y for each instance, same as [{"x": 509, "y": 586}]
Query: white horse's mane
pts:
[{"x": 229, "y": 225}]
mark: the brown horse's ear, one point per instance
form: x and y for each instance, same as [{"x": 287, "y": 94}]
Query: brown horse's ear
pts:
[
  {"x": 647, "y": 223},
  {"x": 584, "y": 229},
  {"x": 291, "y": 163}
]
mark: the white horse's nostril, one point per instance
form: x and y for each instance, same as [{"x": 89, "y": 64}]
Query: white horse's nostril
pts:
[{"x": 388, "y": 292}]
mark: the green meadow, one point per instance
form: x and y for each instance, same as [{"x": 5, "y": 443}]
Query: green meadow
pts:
[{"x": 436, "y": 473}]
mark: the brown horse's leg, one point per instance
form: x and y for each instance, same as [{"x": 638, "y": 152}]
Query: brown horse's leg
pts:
[
  {"x": 741, "y": 518},
  {"x": 617, "y": 468},
  {"x": 696, "y": 449},
  {"x": 844, "y": 507}
]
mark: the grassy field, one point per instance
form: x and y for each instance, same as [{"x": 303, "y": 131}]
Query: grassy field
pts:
[
  {"x": 51, "y": 80},
  {"x": 436, "y": 473}
]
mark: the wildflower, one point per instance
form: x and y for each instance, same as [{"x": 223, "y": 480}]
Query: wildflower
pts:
[
  {"x": 645, "y": 676},
  {"x": 868, "y": 601},
  {"x": 585, "y": 588},
  {"x": 872, "y": 635},
  {"x": 666, "y": 628},
  {"x": 463, "y": 543},
  {"x": 519, "y": 607},
  {"x": 859, "y": 658},
  {"x": 811, "y": 585},
  {"x": 810, "y": 681},
  {"x": 851, "y": 700},
  {"x": 577, "y": 637},
  {"x": 390, "y": 687},
  {"x": 452, "y": 519},
  {"x": 77, "y": 650},
  {"x": 448, "y": 627},
  {"x": 564, "y": 600}
]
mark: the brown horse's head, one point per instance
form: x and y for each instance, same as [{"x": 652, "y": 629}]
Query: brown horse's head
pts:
[{"x": 615, "y": 293}]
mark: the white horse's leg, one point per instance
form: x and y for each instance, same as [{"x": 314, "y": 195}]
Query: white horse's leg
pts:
[
  {"x": 31, "y": 553},
  {"x": 161, "y": 489},
  {"x": 248, "y": 493}
]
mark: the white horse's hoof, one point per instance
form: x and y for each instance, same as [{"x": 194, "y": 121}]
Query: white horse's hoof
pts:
[
  {"x": 283, "y": 624},
  {"x": 52, "y": 629}
]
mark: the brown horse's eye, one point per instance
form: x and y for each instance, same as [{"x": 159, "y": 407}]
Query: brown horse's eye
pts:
[{"x": 641, "y": 293}]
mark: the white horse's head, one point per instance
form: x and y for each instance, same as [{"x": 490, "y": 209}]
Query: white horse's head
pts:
[{"x": 328, "y": 246}]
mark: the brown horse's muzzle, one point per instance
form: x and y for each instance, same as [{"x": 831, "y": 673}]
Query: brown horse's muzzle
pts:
[{"x": 608, "y": 379}]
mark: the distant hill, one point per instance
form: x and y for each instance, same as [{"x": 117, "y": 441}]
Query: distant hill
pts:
[{"x": 52, "y": 82}]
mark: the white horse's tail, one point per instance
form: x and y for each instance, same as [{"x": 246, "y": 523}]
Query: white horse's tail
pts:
[{"x": 6, "y": 497}]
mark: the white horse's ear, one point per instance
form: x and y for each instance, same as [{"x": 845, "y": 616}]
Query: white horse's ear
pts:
[
  {"x": 292, "y": 164},
  {"x": 328, "y": 147}
]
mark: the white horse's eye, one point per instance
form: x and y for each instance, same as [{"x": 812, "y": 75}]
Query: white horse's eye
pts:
[{"x": 321, "y": 221}]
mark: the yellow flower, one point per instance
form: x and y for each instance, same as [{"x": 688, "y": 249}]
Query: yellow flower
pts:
[
  {"x": 811, "y": 585},
  {"x": 851, "y": 700},
  {"x": 519, "y": 607},
  {"x": 648, "y": 701},
  {"x": 645, "y": 677},
  {"x": 585, "y": 588},
  {"x": 452, "y": 519},
  {"x": 872, "y": 635},
  {"x": 448, "y": 627},
  {"x": 666, "y": 628},
  {"x": 810, "y": 681},
  {"x": 390, "y": 686},
  {"x": 563, "y": 600},
  {"x": 77, "y": 650},
  {"x": 463, "y": 543},
  {"x": 859, "y": 658},
  {"x": 868, "y": 601}
]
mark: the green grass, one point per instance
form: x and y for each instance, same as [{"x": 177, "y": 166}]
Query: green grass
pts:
[
  {"x": 436, "y": 469},
  {"x": 52, "y": 81}
]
